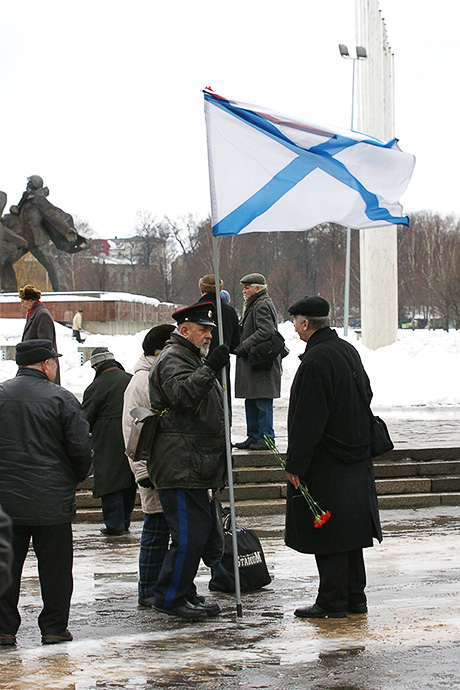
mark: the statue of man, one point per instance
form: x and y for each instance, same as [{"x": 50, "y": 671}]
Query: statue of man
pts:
[{"x": 38, "y": 221}]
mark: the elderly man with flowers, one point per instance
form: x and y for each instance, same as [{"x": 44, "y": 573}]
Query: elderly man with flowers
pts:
[{"x": 329, "y": 452}]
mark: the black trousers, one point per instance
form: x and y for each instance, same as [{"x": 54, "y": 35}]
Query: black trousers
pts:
[
  {"x": 342, "y": 580},
  {"x": 189, "y": 520},
  {"x": 53, "y": 547}
]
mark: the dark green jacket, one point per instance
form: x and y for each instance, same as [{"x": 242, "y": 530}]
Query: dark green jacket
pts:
[
  {"x": 103, "y": 404},
  {"x": 189, "y": 446}
]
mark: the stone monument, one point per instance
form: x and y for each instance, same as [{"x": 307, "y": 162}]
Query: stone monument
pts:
[{"x": 30, "y": 226}]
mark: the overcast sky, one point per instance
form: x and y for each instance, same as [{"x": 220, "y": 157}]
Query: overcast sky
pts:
[{"x": 102, "y": 98}]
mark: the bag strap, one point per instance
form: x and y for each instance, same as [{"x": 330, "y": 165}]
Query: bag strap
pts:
[{"x": 360, "y": 391}]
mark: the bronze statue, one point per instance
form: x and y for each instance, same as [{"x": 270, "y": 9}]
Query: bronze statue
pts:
[{"x": 30, "y": 226}]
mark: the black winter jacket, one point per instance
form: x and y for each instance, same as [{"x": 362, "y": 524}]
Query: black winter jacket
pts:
[
  {"x": 45, "y": 449},
  {"x": 189, "y": 447}
]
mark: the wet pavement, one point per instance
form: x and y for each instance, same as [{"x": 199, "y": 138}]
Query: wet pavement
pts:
[{"x": 409, "y": 639}]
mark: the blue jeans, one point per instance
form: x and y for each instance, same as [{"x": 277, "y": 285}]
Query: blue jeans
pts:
[
  {"x": 154, "y": 545},
  {"x": 117, "y": 508},
  {"x": 259, "y": 418}
]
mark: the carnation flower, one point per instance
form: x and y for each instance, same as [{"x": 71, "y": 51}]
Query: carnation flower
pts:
[{"x": 320, "y": 516}]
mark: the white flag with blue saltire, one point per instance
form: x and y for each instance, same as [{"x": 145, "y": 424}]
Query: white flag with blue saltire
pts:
[{"x": 270, "y": 173}]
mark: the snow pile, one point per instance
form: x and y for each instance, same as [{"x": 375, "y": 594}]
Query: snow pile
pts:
[{"x": 422, "y": 369}]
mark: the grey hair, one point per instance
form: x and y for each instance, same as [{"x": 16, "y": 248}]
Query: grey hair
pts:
[{"x": 315, "y": 322}]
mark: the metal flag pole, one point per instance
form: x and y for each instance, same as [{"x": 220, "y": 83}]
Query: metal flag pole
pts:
[{"x": 239, "y": 609}]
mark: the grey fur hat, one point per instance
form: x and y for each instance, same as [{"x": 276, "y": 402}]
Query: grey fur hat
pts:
[{"x": 100, "y": 354}]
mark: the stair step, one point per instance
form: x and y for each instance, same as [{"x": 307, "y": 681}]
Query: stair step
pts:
[
  {"x": 410, "y": 468},
  {"x": 258, "y": 475},
  {"x": 246, "y": 492},
  {"x": 277, "y": 506}
]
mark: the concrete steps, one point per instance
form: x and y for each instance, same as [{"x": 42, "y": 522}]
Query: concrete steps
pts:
[{"x": 414, "y": 478}]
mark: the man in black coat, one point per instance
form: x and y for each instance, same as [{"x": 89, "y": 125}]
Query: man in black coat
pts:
[
  {"x": 45, "y": 450},
  {"x": 329, "y": 450},
  {"x": 230, "y": 322},
  {"x": 114, "y": 482}
]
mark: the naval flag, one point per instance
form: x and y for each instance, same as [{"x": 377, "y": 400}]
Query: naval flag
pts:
[{"x": 269, "y": 172}]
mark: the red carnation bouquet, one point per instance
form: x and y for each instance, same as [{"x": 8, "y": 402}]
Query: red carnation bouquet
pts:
[{"x": 320, "y": 516}]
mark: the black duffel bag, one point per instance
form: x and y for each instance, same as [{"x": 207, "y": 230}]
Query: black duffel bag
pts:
[
  {"x": 263, "y": 355},
  {"x": 251, "y": 562}
]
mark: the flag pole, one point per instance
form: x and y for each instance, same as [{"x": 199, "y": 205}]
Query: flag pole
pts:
[{"x": 228, "y": 451}]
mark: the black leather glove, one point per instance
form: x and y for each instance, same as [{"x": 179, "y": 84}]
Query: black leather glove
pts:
[
  {"x": 240, "y": 352},
  {"x": 145, "y": 483},
  {"x": 219, "y": 358}
]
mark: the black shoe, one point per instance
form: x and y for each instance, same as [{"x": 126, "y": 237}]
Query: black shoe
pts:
[
  {"x": 66, "y": 636},
  {"x": 259, "y": 445},
  {"x": 316, "y": 611},
  {"x": 244, "y": 444},
  {"x": 210, "y": 609},
  {"x": 7, "y": 640},
  {"x": 357, "y": 608},
  {"x": 148, "y": 602},
  {"x": 111, "y": 532},
  {"x": 187, "y": 611}
]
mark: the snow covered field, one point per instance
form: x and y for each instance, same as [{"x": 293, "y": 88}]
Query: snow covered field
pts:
[{"x": 419, "y": 375}]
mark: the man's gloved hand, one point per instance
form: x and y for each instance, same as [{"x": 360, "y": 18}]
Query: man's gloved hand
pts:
[
  {"x": 219, "y": 358},
  {"x": 145, "y": 483},
  {"x": 240, "y": 352}
]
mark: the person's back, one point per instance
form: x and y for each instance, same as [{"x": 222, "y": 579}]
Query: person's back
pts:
[
  {"x": 103, "y": 404},
  {"x": 45, "y": 449},
  {"x": 40, "y": 447}
]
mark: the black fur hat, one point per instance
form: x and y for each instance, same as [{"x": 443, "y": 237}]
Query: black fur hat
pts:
[{"x": 156, "y": 338}]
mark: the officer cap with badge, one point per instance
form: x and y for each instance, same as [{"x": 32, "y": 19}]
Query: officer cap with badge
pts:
[{"x": 201, "y": 312}]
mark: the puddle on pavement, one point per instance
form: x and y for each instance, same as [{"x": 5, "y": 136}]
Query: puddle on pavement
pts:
[{"x": 413, "y": 624}]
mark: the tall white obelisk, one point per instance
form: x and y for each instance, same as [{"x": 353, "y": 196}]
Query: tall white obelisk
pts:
[{"x": 375, "y": 116}]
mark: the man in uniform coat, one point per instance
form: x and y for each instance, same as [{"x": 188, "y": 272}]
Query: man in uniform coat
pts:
[
  {"x": 188, "y": 454},
  {"x": 113, "y": 480},
  {"x": 329, "y": 450}
]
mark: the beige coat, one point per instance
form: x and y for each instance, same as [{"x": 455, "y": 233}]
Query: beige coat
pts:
[
  {"x": 77, "y": 321},
  {"x": 137, "y": 395}
]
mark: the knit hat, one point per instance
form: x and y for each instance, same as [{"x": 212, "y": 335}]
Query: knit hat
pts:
[
  {"x": 29, "y": 292},
  {"x": 253, "y": 279},
  {"x": 100, "y": 354},
  {"x": 34, "y": 351},
  {"x": 310, "y": 306},
  {"x": 225, "y": 296},
  {"x": 208, "y": 283},
  {"x": 156, "y": 338}
]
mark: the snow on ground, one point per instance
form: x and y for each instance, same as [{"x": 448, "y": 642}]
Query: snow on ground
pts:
[{"x": 422, "y": 369}]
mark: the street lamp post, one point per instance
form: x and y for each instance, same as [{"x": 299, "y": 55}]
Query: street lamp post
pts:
[{"x": 361, "y": 54}]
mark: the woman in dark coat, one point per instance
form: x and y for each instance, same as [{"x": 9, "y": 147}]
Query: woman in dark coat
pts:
[
  {"x": 113, "y": 480},
  {"x": 39, "y": 322}
]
